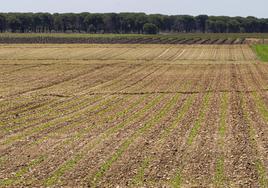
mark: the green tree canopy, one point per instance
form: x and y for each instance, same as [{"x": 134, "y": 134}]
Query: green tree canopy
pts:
[{"x": 150, "y": 28}]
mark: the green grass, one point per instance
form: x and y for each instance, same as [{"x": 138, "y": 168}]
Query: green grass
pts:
[{"x": 261, "y": 51}]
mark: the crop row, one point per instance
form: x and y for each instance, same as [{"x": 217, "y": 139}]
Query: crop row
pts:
[
  {"x": 121, "y": 40},
  {"x": 129, "y": 52}
]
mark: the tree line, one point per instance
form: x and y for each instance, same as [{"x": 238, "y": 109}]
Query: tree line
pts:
[{"x": 128, "y": 23}]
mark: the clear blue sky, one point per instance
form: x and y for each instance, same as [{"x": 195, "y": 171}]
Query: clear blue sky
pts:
[{"x": 257, "y": 8}]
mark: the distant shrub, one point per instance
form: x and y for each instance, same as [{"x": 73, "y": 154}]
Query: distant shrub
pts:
[{"x": 150, "y": 28}]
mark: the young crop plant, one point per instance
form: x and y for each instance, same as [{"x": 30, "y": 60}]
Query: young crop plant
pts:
[
  {"x": 17, "y": 178},
  {"x": 83, "y": 132},
  {"x": 61, "y": 170},
  {"x": 176, "y": 181},
  {"x": 93, "y": 180},
  {"x": 138, "y": 179},
  {"x": 105, "y": 135},
  {"x": 166, "y": 132},
  {"x": 200, "y": 119},
  {"x": 56, "y": 121},
  {"x": 50, "y": 112},
  {"x": 261, "y": 105},
  {"x": 139, "y": 115},
  {"x": 219, "y": 174},
  {"x": 219, "y": 179},
  {"x": 259, "y": 165}
]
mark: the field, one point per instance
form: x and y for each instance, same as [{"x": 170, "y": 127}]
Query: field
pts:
[
  {"x": 133, "y": 115},
  {"x": 182, "y": 38},
  {"x": 262, "y": 51}
]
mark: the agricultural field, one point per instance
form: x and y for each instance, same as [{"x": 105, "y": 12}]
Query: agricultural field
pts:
[
  {"x": 133, "y": 115},
  {"x": 262, "y": 51},
  {"x": 182, "y": 38}
]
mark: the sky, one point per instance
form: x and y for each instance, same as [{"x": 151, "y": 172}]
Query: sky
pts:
[{"x": 257, "y": 8}]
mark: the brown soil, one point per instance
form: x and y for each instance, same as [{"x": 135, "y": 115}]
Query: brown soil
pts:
[{"x": 69, "y": 113}]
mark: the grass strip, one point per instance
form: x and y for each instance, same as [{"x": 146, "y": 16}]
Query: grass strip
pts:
[{"x": 261, "y": 51}]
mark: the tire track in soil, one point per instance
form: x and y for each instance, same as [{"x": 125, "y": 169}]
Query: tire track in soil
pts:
[
  {"x": 20, "y": 106},
  {"x": 29, "y": 75},
  {"x": 59, "y": 82}
]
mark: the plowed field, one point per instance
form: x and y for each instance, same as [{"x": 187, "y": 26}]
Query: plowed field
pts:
[{"x": 129, "y": 115}]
